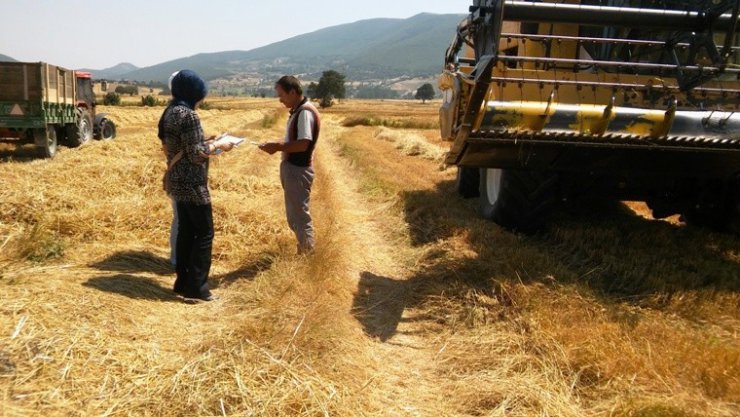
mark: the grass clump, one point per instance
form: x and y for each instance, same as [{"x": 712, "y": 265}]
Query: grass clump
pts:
[
  {"x": 269, "y": 120},
  {"x": 151, "y": 101},
  {"x": 411, "y": 144},
  {"x": 391, "y": 123},
  {"x": 41, "y": 245},
  {"x": 655, "y": 410}
]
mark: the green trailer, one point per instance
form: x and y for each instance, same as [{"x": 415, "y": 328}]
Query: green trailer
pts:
[{"x": 45, "y": 104}]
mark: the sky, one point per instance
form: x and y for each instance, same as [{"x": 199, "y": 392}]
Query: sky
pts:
[{"x": 100, "y": 34}]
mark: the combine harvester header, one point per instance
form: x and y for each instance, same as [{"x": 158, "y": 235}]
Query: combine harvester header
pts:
[{"x": 630, "y": 99}]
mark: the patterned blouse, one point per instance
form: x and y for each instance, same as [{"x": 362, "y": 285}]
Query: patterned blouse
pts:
[{"x": 187, "y": 181}]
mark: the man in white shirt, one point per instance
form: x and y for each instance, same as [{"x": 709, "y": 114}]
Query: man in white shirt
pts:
[{"x": 296, "y": 169}]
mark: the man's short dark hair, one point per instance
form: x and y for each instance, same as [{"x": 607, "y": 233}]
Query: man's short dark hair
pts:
[{"x": 290, "y": 83}]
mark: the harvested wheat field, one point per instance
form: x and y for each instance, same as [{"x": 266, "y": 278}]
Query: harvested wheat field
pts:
[{"x": 410, "y": 306}]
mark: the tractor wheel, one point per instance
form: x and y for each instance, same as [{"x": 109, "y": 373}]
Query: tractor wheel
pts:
[
  {"x": 46, "y": 141},
  {"x": 467, "y": 182},
  {"x": 80, "y": 132},
  {"x": 107, "y": 130},
  {"x": 517, "y": 200}
]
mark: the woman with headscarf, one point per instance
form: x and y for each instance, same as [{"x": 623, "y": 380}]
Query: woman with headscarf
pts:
[
  {"x": 186, "y": 181},
  {"x": 173, "y": 225}
]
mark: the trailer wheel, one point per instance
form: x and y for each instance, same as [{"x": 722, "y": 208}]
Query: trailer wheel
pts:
[
  {"x": 81, "y": 132},
  {"x": 517, "y": 200},
  {"x": 467, "y": 182},
  {"x": 46, "y": 141}
]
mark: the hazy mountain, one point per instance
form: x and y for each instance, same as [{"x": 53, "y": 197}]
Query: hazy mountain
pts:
[
  {"x": 5, "y": 58},
  {"x": 367, "y": 49},
  {"x": 112, "y": 73}
]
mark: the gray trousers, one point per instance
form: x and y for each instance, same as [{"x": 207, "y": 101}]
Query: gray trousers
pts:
[{"x": 296, "y": 183}]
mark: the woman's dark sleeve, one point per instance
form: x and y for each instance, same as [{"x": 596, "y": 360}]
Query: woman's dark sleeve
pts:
[{"x": 193, "y": 139}]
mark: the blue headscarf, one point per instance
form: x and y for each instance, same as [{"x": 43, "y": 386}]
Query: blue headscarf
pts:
[{"x": 187, "y": 89}]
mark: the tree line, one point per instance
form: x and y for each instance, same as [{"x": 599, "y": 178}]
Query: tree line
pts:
[{"x": 331, "y": 86}]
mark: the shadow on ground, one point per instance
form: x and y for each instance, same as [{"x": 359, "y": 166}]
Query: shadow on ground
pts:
[
  {"x": 247, "y": 272},
  {"x": 134, "y": 262},
  {"x": 597, "y": 246},
  {"x": 12, "y": 152},
  {"x": 132, "y": 286},
  {"x": 379, "y": 304}
]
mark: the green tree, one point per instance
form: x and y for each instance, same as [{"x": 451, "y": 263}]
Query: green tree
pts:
[
  {"x": 331, "y": 84},
  {"x": 373, "y": 92},
  {"x": 127, "y": 89},
  {"x": 311, "y": 90},
  {"x": 112, "y": 99},
  {"x": 149, "y": 101},
  {"x": 424, "y": 93}
]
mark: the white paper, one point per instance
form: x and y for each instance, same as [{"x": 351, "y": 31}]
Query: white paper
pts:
[{"x": 228, "y": 139}]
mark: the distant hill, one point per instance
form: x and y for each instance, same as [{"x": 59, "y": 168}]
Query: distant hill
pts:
[
  {"x": 367, "y": 49},
  {"x": 112, "y": 73},
  {"x": 6, "y": 58}
]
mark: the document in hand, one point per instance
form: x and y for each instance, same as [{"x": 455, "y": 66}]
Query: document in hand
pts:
[{"x": 228, "y": 139}]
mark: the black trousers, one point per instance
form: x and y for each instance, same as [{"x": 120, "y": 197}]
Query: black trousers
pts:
[{"x": 194, "y": 247}]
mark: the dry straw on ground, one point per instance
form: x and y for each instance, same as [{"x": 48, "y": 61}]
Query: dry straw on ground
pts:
[
  {"x": 411, "y": 305},
  {"x": 411, "y": 144}
]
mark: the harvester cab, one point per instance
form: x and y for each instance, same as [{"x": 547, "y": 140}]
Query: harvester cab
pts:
[{"x": 630, "y": 99}]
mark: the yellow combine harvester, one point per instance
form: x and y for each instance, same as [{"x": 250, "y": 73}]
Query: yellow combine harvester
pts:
[{"x": 632, "y": 99}]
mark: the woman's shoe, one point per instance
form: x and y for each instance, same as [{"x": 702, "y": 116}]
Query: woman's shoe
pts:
[{"x": 198, "y": 300}]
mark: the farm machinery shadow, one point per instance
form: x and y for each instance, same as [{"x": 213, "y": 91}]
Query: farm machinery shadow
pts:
[
  {"x": 600, "y": 247},
  {"x": 10, "y": 151}
]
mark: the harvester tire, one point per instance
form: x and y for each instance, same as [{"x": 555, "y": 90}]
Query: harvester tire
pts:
[
  {"x": 721, "y": 216},
  {"x": 81, "y": 132},
  {"x": 467, "y": 182},
  {"x": 518, "y": 200},
  {"x": 716, "y": 219},
  {"x": 46, "y": 141}
]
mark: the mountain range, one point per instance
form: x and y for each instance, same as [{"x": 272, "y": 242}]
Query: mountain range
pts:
[
  {"x": 364, "y": 50},
  {"x": 113, "y": 73}
]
